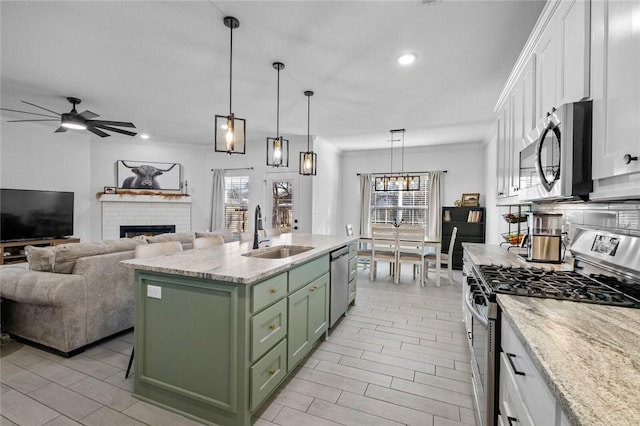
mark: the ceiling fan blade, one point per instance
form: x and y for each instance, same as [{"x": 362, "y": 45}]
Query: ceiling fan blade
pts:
[
  {"x": 44, "y": 119},
  {"x": 98, "y": 132},
  {"x": 87, "y": 115},
  {"x": 33, "y": 113},
  {"x": 61, "y": 129},
  {"x": 113, "y": 129},
  {"x": 38, "y": 106},
  {"x": 110, "y": 123}
]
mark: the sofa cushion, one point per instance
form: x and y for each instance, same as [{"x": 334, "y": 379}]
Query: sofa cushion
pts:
[
  {"x": 226, "y": 234},
  {"x": 183, "y": 237},
  {"x": 67, "y": 254},
  {"x": 40, "y": 258}
]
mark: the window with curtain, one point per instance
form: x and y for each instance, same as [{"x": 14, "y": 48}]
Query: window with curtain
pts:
[
  {"x": 236, "y": 203},
  {"x": 410, "y": 207}
]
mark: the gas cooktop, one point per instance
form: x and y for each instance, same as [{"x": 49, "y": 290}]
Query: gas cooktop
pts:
[{"x": 562, "y": 285}]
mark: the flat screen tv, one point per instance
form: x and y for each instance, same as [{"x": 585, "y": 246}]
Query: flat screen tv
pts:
[{"x": 35, "y": 215}]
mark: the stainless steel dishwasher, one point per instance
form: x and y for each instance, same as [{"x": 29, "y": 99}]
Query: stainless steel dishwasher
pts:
[{"x": 339, "y": 284}]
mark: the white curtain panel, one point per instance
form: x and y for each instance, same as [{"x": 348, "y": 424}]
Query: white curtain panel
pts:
[
  {"x": 435, "y": 204},
  {"x": 365, "y": 204},
  {"x": 217, "y": 200}
]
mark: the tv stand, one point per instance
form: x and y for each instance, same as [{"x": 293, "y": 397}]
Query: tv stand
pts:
[{"x": 16, "y": 248}]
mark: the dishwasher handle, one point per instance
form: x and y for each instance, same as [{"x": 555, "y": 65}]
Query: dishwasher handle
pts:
[{"x": 336, "y": 254}]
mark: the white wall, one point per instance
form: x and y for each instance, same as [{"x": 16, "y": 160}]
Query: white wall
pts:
[
  {"x": 326, "y": 189},
  {"x": 464, "y": 164}
]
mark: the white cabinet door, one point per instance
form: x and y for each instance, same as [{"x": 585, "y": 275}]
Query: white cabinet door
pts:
[
  {"x": 547, "y": 70},
  {"x": 574, "y": 21},
  {"x": 616, "y": 89},
  {"x": 504, "y": 139}
]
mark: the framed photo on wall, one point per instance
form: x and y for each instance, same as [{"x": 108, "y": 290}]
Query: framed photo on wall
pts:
[
  {"x": 148, "y": 175},
  {"x": 470, "y": 200}
]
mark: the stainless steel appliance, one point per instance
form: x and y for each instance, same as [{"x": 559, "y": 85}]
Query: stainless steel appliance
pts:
[
  {"x": 607, "y": 271},
  {"x": 556, "y": 162},
  {"x": 544, "y": 241},
  {"x": 339, "y": 289}
]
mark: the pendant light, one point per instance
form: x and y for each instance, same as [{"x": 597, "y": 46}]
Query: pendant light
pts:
[
  {"x": 278, "y": 147},
  {"x": 397, "y": 181},
  {"x": 309, "y": 159},
  {"x": 230, "y": 131}
]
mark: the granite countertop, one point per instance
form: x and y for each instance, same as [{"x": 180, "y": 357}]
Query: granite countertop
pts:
[
  {"x": 589, "y": 355},
  {"x": 226, "y": 263}
]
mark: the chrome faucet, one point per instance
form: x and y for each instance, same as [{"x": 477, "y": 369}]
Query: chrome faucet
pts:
[{"x": 258, "y": 227}]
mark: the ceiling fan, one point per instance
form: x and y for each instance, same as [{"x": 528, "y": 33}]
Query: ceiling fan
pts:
[{"x": 77, "y": 121}]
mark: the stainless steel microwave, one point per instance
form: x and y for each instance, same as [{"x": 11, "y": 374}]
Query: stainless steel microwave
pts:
[{"x": 556, "y": 162}]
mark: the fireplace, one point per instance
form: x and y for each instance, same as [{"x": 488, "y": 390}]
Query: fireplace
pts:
[{"x": 130, "y": 231}]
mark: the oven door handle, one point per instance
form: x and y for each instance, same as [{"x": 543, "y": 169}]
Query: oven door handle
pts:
[{"x": 474, "y": 312}]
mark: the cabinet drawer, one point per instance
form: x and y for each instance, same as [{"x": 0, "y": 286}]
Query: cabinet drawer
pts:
[
  {"x": 353, "y": 268},
  {"x": 267, "y": 373},
  {"x": 535, "y": 393},
  {"x": 512, "y": 406},
  {"x": 304, "y": 274},
  {"x": 267, "y": 328},
  {"x": 353, "y": 250},
  {"x": 268, "y": 291},
  {"x": 352, "y": 290}
]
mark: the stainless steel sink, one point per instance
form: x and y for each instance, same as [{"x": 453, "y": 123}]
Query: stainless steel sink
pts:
[{"x": 278, "y": 252}]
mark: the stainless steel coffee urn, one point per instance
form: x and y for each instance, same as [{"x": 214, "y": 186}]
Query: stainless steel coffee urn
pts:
[{"x": 545, "y": 237}]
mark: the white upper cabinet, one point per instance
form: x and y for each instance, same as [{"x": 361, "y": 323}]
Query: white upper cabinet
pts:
[
  {"x": 615, "y": 68},
  {"x": 547, "y": 70},
  {"x": 574, "y": 22},
  {"x": 503, "y": 149}
]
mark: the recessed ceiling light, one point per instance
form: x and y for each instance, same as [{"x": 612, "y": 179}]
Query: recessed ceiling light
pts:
[
  {"x": 407, "y": 59},
  {"x": 144, "y": 136}
]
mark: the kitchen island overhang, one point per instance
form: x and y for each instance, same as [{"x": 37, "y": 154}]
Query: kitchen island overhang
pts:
[{"x": 217, "y": 332}]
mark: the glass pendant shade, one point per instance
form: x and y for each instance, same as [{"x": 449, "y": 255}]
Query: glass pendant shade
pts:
[
  {"x": 230, "y": 131},
  {"x": 230, "y": 134},
  {"x": 308, "y": 163},
  {"x": 309, "y": 159},
  {"x": 277, "y": 152}
]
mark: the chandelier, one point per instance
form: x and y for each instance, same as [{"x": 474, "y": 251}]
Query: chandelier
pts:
[{"x": 397, "y": 181}]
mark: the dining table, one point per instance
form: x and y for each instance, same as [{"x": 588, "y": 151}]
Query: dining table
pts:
[{"x": 428, "y": 242}]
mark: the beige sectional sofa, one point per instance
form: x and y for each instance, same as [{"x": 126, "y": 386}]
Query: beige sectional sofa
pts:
[{"x": 74, "y": 294}]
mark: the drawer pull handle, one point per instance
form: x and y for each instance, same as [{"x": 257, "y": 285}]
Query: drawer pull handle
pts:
[
  {"x": 273, "y": 290},
  {"x": 469, "y": 335},
  {"x": 628, "y": 158},
  {"x": 272, "y": 326},
  {"x": 511, "y": 420},
  {"x": 314, "y": 288},
  {"x": 513, "y": 366},
  {"x": 272, "y": 371}
]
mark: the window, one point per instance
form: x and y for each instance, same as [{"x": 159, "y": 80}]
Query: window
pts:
[
  {"x": 236, "y": 203},
  {"x": 410, "y": 207}
]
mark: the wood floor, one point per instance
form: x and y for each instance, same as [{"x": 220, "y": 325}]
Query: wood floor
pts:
[{"x": 399, "y": 357}]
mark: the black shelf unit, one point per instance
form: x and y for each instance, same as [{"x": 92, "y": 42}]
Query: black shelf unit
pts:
[{"x": 468, "y": 232}]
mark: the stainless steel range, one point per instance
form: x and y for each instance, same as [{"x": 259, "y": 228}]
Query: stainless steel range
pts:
[{"x": 606, "y": 271}]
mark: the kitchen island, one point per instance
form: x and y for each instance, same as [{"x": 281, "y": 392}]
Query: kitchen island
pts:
[
  {"x": 217, "y": 331},
  {"x": 586, "y": 354}
]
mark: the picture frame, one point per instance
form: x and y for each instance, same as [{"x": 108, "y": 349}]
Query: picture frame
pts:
[
  {"x": 146, "y": 175},
  {"x": 471, "y": 200},
  {"x": 110, "y": 190}
]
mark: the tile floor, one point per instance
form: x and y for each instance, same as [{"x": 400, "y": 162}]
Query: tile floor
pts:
[{"x": 400, "y": 357}]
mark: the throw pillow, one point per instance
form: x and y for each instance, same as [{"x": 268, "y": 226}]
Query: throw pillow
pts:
[{"x": 40, "y": 258}]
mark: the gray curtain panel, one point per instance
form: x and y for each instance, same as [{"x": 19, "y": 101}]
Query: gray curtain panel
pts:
[
  {"x": 435, "y": 204},
  {"x": 365, "y": 204},
  {"x": 217, "y": 200}
]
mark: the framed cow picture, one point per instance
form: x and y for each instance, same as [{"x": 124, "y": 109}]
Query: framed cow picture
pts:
[{"x": 148, "y": 175}]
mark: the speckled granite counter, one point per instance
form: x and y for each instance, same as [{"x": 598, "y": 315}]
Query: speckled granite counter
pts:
[
  {"x": 486, "y": 254},
  {"x": 589, "y": 355},
  {"x": 226, "y": 263}
]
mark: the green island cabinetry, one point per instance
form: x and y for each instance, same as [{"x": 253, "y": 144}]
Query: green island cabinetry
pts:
[{"x": 215, "y": 350}]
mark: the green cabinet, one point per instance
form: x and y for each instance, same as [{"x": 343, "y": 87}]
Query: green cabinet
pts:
[{"x": 213, "y": 350}]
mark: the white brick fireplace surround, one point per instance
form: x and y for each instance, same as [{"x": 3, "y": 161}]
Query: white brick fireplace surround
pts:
[{"x": 126, "y": 209}]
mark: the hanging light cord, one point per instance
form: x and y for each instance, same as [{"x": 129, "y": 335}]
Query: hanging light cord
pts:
[
  {"x": 230, "y": 67},
  {"x": 278, "y": 108},
  {"x": 308, "y": 121}
]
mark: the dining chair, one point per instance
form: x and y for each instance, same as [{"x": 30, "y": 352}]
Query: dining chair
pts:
[
  {"x": 383, "y": 247},
  {"x": 364, "y": 254},
  {"x": 150, "y": 250},
  {"x": 206, "y": 242},
  {"x": 410, "y": 250},
  {"x": 445, "y": 258}
]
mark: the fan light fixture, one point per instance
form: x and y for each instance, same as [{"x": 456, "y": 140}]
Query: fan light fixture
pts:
[
  {"x": 397, "y": 181},
  {"x": 309, "y": 159},
  {"x": 278, "y": 147},
  {"x": 230, "y": 131}
]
